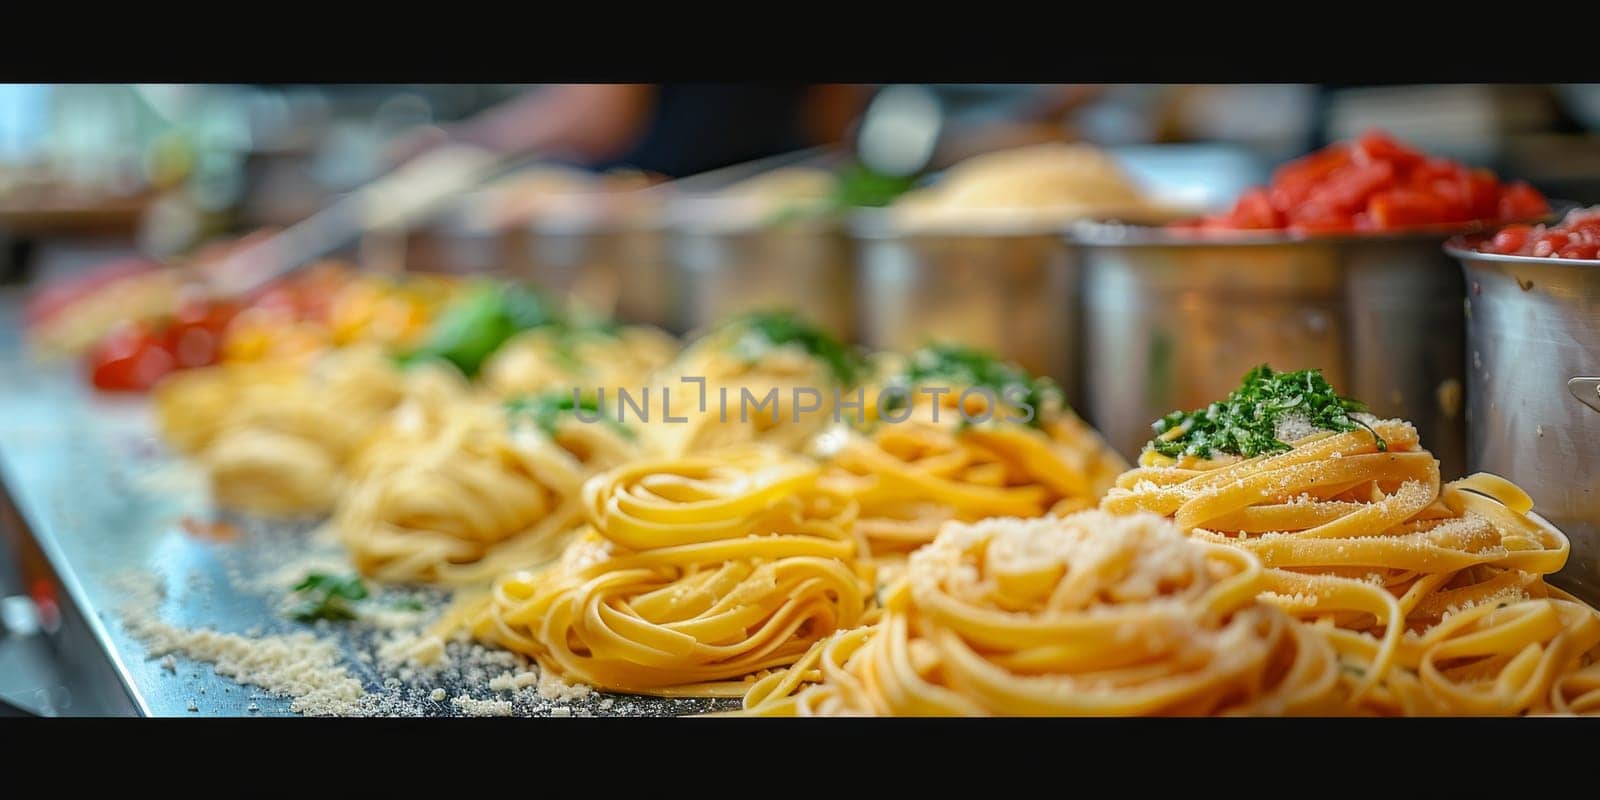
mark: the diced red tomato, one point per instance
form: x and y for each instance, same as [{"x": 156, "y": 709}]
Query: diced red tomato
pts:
[
  {"x": 1375, "y": 183},
  {"x": 1578, "y": 236},
  {"x": 1379, "y": 146},
  {"x": 1511, "y": 239},
  {"x": 1521, "y": 201},
  {"x": 1292, "y": 183},
  {"x": 1315, "y": 218},
  {"x": 195, "y": 336},
  {"x": 1254, "y": 210},
  {"x": 1483, "y": 195},
  {"x": 1346, "y": 190},
  {"x": 131, "y": 358},
  {"x": 1405, "y": 208}
]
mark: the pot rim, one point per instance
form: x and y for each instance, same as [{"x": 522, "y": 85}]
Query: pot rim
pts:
[
  {"x": 1463, "y": 251},
  {"x": 878, "y": 224},
  {"x": 1112, "y": 235}
]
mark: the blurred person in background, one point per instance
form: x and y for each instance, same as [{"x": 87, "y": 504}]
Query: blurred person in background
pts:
[
  {"x": 986, "y": 117},
  {"x": 670, "y": 129}
]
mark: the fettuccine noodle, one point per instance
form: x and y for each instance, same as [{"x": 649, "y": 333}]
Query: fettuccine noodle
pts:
[
  {"x": 1089, "y": 614},
  {"x": 470, "y": 495},
  {"x": 912, "y": 476},
  {"x": 546, "y": 359},
  {"x": 275, "y": 439},
  {"x": 1433, "y": 595},
  {"x": 694, "y": 573},
  {"x": 740, "y": 373}
]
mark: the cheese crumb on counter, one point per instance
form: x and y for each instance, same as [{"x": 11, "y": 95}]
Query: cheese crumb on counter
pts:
[
  {"x": 482, "y": 708},
  {"x": 552, "y": 687},
  {"x": 299, "y": 666}
]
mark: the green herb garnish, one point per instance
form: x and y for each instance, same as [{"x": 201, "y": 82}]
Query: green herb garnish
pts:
[
  {"x": 1245, "y": 424},
  {"x": 327, "y": 597},
  {"x": 855, "y": 186},
  {"x": 763, "y": 331},
  {"x": 546, "y": 411},
  {"x": 475, "y": 325},
  {"x": 861, "y": 187},
  {"x": 962, "y": 367}
]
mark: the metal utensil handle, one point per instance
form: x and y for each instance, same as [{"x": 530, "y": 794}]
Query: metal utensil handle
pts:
[
  {"x": 408, "y": 192},
  {"x": 1587, "y": 390}
]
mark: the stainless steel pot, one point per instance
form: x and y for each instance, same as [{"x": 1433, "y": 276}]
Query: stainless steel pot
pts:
[
  {"x": 454, "y": 240},
  {"x": 1533, "y": 407},
  {"x": 1173, "y": 322},
  {"x": 1014, "y": 294},
  {"x": 604, "y": 266},
  {"x": 464, "y": 250},
  {"x": 722, "y": 269}
]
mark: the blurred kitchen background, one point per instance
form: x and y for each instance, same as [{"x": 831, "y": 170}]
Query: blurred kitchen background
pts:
[
  {"x": 90, "y": 172},
  {"x": 170, "y": 166}
]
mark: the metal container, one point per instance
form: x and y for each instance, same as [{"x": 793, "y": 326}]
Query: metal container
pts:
[
  {"x": 455, "y": 240},
  {"x": 1015, "y": 294},
  {"x": 720, "y": 268},
  {"x": 464, "y": 250},
  {"x": 1173, "y": 322},
  {"x": 611, "y": 265},
  {"x": 584, "y": 248},
  {"x": 1533, "y": 407}
]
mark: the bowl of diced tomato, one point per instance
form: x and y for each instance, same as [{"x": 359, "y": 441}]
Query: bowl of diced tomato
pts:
[
  {"x": 1575, "y": 238},
  {"x": 1374, "y": 185}
]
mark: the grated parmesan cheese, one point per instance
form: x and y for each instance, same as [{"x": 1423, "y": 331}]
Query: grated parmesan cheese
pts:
[
  {"x": 552, "y": 687},
  {"x": 482, "y": 708},
  {"x": 299, "y": 666},
  {"x": 1291, "y": 428}
]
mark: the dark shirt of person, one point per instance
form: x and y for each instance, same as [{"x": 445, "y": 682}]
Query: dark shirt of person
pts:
[{"x": 699, "y": 127}]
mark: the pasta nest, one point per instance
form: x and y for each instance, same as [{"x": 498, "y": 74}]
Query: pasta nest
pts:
[
  {"x": 1433, "y": 593},
  {"x": 546, "y": 359},
  {"x": 1088, "y": 614},
  {"x": 277, "y": 440},
  {"x": 734, "y": 413},
  {"x": 912, "y": 476},
  {"x": 467, "y": 495},
  {"x": 692, "y": 574}
]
